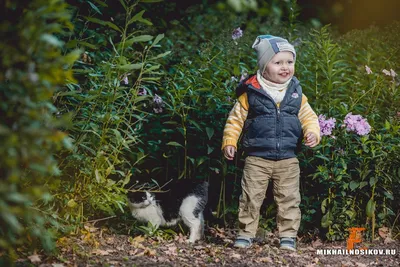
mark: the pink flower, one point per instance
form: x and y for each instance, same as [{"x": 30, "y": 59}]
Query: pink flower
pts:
[
  {"x": 326, "y": 125},
  {"x": 237, "y": 33},
  {"x": 142, "y": 91},
  {"x": 356, "y": 123},
  {"x": 386, "y": 72},
  {"x": 244, "y": 76},
  {"x": 158, "y": 104},
  {"x": 368, "y": 69},
  {"x": 125, "y": 79}
]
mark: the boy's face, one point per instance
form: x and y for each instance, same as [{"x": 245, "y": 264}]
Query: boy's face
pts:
[{"x": 280, "y": 68}]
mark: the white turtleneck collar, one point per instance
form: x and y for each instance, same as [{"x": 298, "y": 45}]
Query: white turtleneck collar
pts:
[{"x": 275, "y": 90}]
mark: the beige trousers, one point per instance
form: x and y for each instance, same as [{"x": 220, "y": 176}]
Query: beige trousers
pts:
[{"x": 285, "y": 175}]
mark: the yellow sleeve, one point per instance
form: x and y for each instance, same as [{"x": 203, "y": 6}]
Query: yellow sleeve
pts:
[
  {"x": 234, "y": 123},
  {"x": 308, "y": 119}
]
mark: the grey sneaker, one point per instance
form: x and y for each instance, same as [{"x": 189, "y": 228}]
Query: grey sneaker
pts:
[
  {"x": 242, "y": 242},
  {"x": 288, "y": 243}
]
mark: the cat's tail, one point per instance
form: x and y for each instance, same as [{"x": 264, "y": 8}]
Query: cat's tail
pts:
[{"x": 210, "y": 218}]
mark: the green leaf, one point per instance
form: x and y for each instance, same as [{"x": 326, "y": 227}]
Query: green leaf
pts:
[
  {"x": 160, "y": 55},
  {"x": 95, "y": 7},
  {"x": 104, "y": 23},
  {"x": 152, "y": 68},
  {"x": 118, "y": 135},
  {"x": 323, "y": 205},
  {"x": 170, "y": 122},
  {"x": 326, "y": 221},
  {"x": 210, "y": 132},
  {"x": 123, "y": 4},
  {"x": 196, "y": 125},
  {"x": 388, "y": 195},
  {"x": 209, "y": 150},
  {"x": 158, "y": 39},
  {"x": 200, "y": 161},
  {"x": 139, "y": 17},
  {"x": 191, "y": 160},
  {"x": 51, "y": 39},
  {"x": 88, "y": 45},
  {"x": 362, "y": 184},
  {"x": 373, "y": 180},
  {"x": 323, "y": 157},
  {"x": 98, "y": 176},
  {"x": 387, "y": 125},
  {"x": 137, "y": 39},
  {"x": 130, "y": 66},
  {"x": 174, "y": 144},
  {"x": 370, "y": 208},
  {"x": 350, "y": 213},
  {"x": 11, "y": 221},
  {"x": 72, "y": 203},
  {"x": 353, "y": 185}
]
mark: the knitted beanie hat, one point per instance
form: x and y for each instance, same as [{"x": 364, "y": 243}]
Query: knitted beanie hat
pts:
[{"x": 267, "y": 46}]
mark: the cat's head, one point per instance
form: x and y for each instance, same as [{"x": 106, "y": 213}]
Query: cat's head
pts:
[{"x": 140, "y": 199}]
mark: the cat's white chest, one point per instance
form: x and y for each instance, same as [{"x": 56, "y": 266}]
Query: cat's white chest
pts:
[{"x": 151, "y": 213}]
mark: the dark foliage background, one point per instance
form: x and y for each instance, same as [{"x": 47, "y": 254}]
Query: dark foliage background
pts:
[{"x": 101, "y": 96}]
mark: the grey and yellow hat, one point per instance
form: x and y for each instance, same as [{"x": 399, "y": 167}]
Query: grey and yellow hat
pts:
[{"x": 267, "y": 46}]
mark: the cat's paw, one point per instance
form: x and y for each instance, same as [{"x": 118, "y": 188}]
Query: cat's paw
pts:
[{"x": 191, "y": 241}]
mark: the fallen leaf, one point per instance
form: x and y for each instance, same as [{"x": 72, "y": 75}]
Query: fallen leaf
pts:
[
  {"x": 316, "y": 243},
  {"x": 149, "y": 252},
  {"x": 388, "y": 240},
  {"x": 236, "y": 256},
  {"x": 100, "y": 252},
  {"x": 133, "y": 252},
  {"x": 35, "y": 258},
  {"x": 172, "y": 250},
  {"x": 359, "y": 264},
  {"x": 265, "y": 259},
  {"x": 383, "y": 232},
  {"x": 139, "y": 239}
]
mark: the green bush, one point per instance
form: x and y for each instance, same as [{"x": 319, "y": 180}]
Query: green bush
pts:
[
  {"x": 33, "y": 67},
  {"x": 148, "y": 103},
  {"x": 106, "y": 108}
]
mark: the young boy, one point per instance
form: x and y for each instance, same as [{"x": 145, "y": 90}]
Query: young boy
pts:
[{"x": 274, "y": 114}]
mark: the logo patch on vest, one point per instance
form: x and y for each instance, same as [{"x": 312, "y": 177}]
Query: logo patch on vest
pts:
[{"x": 295, "y": 95}]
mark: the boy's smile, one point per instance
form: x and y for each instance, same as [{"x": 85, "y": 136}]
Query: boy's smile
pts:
[{"x": 280, "y": 68}]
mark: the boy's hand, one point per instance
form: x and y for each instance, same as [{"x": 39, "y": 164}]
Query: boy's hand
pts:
[
  {"x": 229, "y": 152},
  {"x": 311, "y": 140}
]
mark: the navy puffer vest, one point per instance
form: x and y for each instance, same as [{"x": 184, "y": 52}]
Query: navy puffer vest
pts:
[{"x": 271, "y": 132}]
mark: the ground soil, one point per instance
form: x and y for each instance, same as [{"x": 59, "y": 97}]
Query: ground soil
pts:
[{"x": 102, "y": 247}]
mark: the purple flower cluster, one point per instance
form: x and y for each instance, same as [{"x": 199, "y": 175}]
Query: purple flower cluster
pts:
[
  {"x": 237, "y": 33},
  {"x": 158, "y": 104},
  {"x": 142, "y": 91},
  {"x": 356, "y": 123},
  {"x": 326, "y": 125}
]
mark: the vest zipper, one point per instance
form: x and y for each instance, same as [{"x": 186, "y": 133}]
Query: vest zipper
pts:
[{"x": 279, "y": 123}]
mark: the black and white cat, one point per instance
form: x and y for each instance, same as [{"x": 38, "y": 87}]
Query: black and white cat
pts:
[{"x": 181, "y": 200}]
